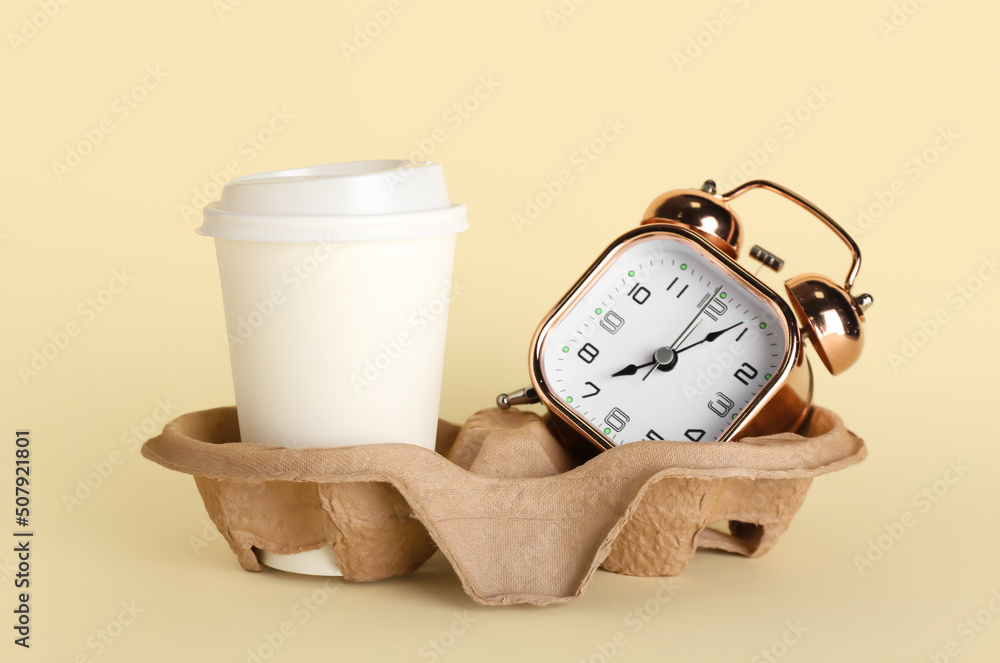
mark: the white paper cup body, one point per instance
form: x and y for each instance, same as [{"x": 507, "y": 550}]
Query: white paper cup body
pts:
[
  {"x": 336, "y": 284},
  {"x": 337, "y": 344}
]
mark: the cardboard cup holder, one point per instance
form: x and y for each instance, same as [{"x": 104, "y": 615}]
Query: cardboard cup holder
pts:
[{"x": 517, "y": 516}]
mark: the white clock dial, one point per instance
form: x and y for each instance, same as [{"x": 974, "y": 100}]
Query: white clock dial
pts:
[{"x": 664, "y": 344}]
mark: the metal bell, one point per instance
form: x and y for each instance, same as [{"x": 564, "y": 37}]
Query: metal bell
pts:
[{"x": 701, "y": 210}]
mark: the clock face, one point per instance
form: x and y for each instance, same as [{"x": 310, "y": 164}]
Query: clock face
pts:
[{"x": 663, "y": 342}]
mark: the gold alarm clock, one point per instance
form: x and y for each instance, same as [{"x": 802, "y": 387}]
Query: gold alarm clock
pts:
[{"x": 667, "y": 337}]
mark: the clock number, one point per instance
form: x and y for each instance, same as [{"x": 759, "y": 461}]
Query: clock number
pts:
[
  {"x": 639, "y": 294},
  {"x": 588, "y": 353},
  {"x": 694, "y": 434},
  {"x": 653, "y": 435},
  {"x": 721, "y": 405},
  {"x": 612, "y": 322},
  {"x": 616, "y": 419},
  {"x": 716, "y": 309},
  {"x": 745, "y": 373},
  {"x": 593, "y": 386}
]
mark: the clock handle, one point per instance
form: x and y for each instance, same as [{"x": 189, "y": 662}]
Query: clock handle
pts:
[
  {"x": 815, "y": 211},
  {"x": 831, "y": 316}
]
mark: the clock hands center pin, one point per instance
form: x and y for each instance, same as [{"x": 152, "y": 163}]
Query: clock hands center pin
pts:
[
  {"x": 695, "y": 321},
  {"x": 632, "y": 369}
]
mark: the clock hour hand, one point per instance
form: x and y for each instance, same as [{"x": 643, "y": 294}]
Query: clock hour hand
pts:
[
  {"x": 632, "y": 369},
  {"x": 709, "y": 337},
  {"x": 664, "y": 362}
]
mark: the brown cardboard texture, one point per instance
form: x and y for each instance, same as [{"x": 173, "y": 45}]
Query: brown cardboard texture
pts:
[{"x": 515, "y": 516}]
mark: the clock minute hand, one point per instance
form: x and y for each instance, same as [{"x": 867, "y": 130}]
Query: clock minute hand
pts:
[
  {"x": 709, "y": 337},
  {"x": 690, "y": 327}
]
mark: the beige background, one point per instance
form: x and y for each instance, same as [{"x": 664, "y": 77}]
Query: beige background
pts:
[{"x": 879, "y": 99}]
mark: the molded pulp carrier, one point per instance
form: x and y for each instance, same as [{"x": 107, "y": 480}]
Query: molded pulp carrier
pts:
[{"x": 504, "y": 501}]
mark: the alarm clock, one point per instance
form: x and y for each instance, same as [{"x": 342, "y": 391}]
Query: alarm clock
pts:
[{"x": 667, "y": 337}]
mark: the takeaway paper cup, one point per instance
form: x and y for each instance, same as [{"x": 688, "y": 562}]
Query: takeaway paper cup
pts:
[{"x": 336, "y": 284}]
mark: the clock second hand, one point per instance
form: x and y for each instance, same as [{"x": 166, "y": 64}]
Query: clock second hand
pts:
[{"x": 667, "y": 352}]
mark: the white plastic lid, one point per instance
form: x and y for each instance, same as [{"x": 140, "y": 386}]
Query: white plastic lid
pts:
[{"x": 338, "y": 202}]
